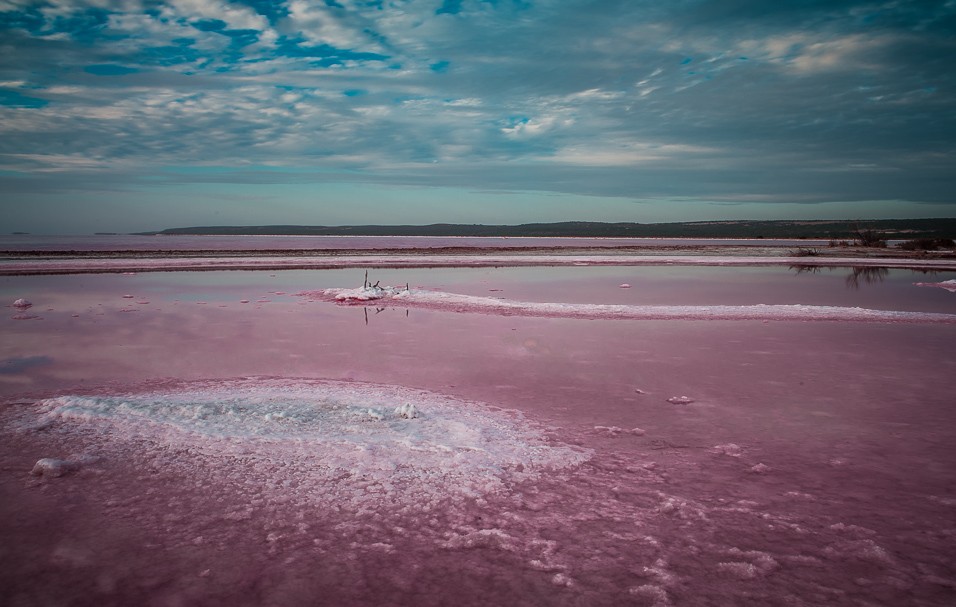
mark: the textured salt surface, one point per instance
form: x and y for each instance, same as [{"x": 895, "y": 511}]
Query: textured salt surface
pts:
[
  {"x": 437, "y": 300},
  {"x": 360, "y": 494},
  {"x": 344, "y": 444},
  {"x": 814, "y": 467}
]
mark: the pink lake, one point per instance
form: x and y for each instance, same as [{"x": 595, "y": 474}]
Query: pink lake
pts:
[{"x": 292, "y": 451}]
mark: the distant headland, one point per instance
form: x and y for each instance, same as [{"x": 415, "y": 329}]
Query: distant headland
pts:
[{"x": 829, "y": 229}]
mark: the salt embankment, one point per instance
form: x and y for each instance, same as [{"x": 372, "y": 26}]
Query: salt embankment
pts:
[{"x": 453, "y": 302}]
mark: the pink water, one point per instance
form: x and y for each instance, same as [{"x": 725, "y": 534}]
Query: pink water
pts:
[{"x": 814, "y": 464}]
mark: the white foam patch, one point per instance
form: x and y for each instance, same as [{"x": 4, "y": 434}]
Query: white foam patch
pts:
[
  {"x": 467, "y": 303},
  {"x": 338, "y": 442}
]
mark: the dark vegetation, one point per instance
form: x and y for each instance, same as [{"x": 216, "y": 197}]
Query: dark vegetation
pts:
[
  {"x": 867, "y": 233},
  {"x": 927, "y": 244},
  {"x": 868, "y": 237}
]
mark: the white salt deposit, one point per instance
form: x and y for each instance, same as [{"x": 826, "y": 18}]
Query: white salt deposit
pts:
[
  {"x": 438, "y": 300},
  {"x": 615, "y": 431},
  {"x": 680, "y": 400},
  {"x": 366, "y": 293},
  {"x": 408, "y": 411},
  {"x": 731, "y": 449},
  {"x": 52, "y": 467},
  {"x": 949, "y": 285},
  {"x": 743, "y": 571},
  {"x": 342, "y": 443}
]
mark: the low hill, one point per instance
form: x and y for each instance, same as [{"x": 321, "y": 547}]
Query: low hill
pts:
[{"x": 890, "y": 228}]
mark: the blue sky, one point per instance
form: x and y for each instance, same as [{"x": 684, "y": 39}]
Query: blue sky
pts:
[{"x": 125, "y": 115}]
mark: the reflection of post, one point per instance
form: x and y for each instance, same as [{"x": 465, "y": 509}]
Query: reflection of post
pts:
[{"x": 377, "y": 311}]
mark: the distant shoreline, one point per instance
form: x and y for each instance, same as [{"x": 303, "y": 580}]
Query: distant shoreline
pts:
[{"x": 769, "y": 229}]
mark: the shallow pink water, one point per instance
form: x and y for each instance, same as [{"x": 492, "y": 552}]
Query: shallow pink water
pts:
[{"x": 813, "y": 466}]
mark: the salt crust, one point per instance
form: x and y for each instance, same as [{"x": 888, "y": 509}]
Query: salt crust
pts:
[
  {"x": 466, "y": 303},
  {"x": 398, "y": 260},
  {"x": 341, "y": 443}
]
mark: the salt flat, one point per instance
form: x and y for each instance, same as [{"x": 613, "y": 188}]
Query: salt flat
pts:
[{"x": 238, "y": 438}]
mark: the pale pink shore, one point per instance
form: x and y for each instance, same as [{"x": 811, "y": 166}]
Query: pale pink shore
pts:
[{"x": 25, "y": 266}]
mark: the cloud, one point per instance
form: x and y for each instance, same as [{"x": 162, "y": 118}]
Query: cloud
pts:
[
  {"x": 696, "y": 98},
  {"x": 233, "y": 16},
  {"x": 335, "y": 26}
]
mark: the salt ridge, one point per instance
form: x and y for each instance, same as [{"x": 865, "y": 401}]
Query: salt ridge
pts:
[
  {"x": 252, "y": 262},
  {"x": 438, "y": 300}
]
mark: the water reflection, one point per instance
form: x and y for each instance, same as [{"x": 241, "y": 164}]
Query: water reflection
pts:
[
  {"x": 806, "y": 269},
  {"x": 378, "y": 311},
  {"x": 867, "y": 275},
  {"x": 859, "y": 275}
]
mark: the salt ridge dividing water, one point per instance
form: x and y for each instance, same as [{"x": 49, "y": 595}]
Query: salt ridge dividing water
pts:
[
  {"x": 438, "y": 300},
  {"x": 341, "y": 444},
  {"x": 402, "y": 260}
]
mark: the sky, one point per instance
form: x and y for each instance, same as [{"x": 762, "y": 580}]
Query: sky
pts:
[{"x": 134, "y": 115}]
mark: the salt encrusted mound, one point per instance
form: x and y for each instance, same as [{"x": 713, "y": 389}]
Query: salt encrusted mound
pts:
[
  {"x": 680, "y": 400},
  {"x": 22, "y": 304},
  {"x": 339, "y": 443},
  {"x": 369, "y": 293},
  {"x": 53, "y": 467},
  {"x": 408, "y": 411},
  {"x": 731, "y": 449},
  {"x": 615, "y": 431}
]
